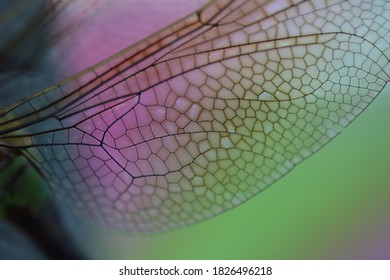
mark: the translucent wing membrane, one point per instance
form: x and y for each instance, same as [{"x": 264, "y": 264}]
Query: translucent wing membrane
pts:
[{"x": 206, "y": 113}]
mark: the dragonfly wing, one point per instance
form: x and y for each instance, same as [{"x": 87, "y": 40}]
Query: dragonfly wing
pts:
[{"x": 207, "y": 113}]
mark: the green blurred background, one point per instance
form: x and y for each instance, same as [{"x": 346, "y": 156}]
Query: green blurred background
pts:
[{"x": 334, "y": 205}]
